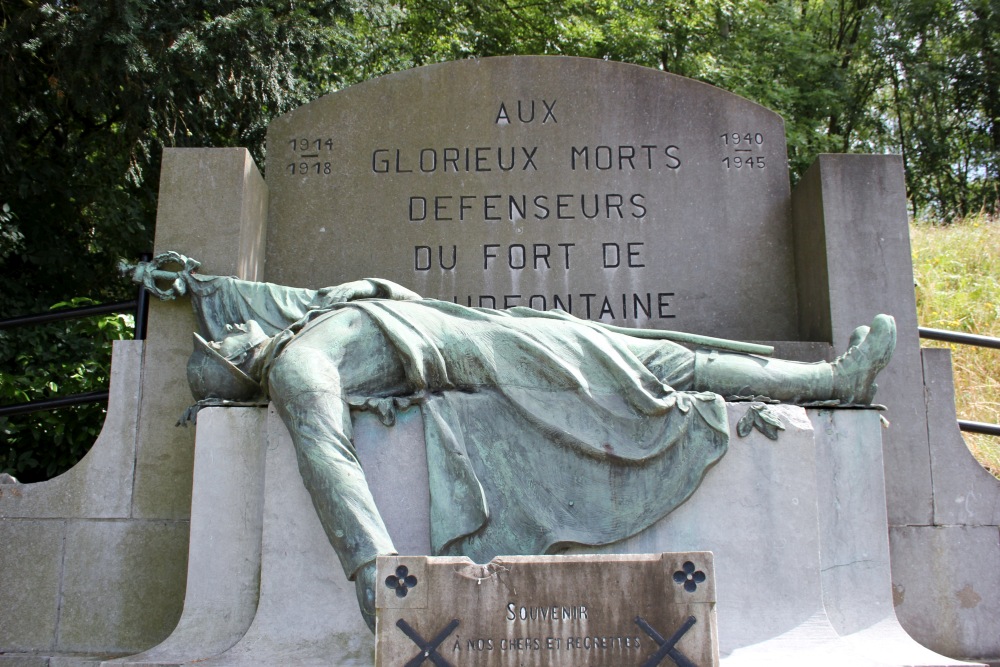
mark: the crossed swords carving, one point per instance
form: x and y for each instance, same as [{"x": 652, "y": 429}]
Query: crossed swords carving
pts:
[
  {"x": 667, "y": 646},
  {"x": 428, "y": 649}
]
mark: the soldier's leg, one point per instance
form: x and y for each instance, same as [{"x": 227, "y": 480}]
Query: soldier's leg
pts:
[
  {"x": 671, "y": 363},
  {"x": 850, "y": 378}
]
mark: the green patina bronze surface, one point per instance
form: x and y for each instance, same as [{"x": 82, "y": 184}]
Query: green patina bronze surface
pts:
[{"x": 541, "y": 429}]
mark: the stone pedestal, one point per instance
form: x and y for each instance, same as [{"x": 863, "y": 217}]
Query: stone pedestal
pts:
[
  {"x": 797, "y": 527},
  {"x": 705, "y": 237},
  {"x": 79, "y": 565}
]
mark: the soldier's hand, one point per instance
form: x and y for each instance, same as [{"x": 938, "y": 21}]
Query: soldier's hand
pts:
[{"x": 358, "y": 289}]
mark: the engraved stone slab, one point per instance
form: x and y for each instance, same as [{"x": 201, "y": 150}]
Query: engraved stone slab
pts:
[
  {"x": 559, "y": 611},
  {"x": 615, "y": 192}
]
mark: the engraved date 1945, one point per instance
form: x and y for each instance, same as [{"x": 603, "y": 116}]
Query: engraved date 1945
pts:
[{"x": 744, "y": 148}]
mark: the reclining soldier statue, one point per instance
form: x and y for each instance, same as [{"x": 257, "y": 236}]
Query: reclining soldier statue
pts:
[{"x": 542, "y": 430}]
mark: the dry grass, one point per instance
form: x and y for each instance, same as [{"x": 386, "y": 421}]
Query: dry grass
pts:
[{"x": 957, "y": 272}]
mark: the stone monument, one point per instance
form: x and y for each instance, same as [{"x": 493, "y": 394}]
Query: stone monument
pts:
[
  {"x": 625, "y": 196},
  {"x": 612, "y": 192}
]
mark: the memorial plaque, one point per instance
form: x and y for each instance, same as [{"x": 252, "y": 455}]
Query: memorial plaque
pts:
[
  {"x": 572, "y": 611},
  {"x": 615, "y": 192}
]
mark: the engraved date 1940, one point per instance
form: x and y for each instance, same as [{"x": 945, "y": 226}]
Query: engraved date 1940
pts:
[{"x": 744, "y": 148}]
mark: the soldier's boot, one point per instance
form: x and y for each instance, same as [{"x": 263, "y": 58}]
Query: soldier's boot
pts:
[
  {"x": 849, "y": 379},
  {"x": 364, "y": 587}
]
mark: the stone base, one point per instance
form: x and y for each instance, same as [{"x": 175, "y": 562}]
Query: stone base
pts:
[
  {"x": 797, "y": 526},
  {"x": 946, "y": 572},
  {"x": 85, "y": 575}
]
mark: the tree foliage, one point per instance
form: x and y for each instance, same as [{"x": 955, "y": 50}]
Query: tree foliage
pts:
[
  {"x": 94, "y": 89},
  {"x": 944, "y": 68},
  {"x": 51, "y": 361},
  {"x": 915, "y": 77}
]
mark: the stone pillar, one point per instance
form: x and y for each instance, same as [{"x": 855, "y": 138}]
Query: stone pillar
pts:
[
  {"x": 852, "y": 262},
  {"x": 225, "y": 546},
  {"x": 946, "y": 576},
  {"x": 213, "y": 205}
]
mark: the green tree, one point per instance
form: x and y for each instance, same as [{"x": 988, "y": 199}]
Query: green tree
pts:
[
  {"x": 92, "y": 91},
  {"x": 54, "y": 360},
  {"x": 936, "y": 101}
]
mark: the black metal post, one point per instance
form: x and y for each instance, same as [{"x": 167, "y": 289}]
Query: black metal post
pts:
[
  {"x": 959, "y": 337},
  {"x": 53, "y": 403}
]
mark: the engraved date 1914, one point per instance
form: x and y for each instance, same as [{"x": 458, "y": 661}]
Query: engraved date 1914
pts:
[{"x": 309, "y": 157}]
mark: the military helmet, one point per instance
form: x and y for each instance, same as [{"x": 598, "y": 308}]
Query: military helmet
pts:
[{"x": 211, "y": 375}]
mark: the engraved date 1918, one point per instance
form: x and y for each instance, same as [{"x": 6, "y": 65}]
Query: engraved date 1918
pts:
[{"x": 309, "y": 158}]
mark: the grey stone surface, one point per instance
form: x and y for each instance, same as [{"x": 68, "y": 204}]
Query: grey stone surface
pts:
[
  {"x": 212, "y": 205},
  {"x": 165, "y": 454},
  {"x": 100, "y": 485},
  {"x": 307, "y": 613},
  {"x": 945, "y": 575},
  {"x": 854, "y": 544},
  {"x": 77, "y": 582},
  {"x": 853, "y": 261},
  {"x": 854, "y": 554},
  {"x": 395, "y": 461},
  {"x": 548, "y": 610},
  {"x": 223, "y": 567},
  {"x": 78, "y": 660},
  {"x": 119, "y": 584},
  {"x": 31, "y": 553},
  {"x": 213, "y": 200},
  {"x": 715, "y": 241},
  {"x": 964, "y": 492},
  {"x": 23, "y": 661},
  {"x": 803, "y": 350},
  {"x": 947, "y": 588},
  {"x": 92, "y": 660},
  {"x": 758, "y": 512}
]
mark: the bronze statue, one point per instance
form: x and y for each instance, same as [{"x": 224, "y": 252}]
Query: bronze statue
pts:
[{"x": 542, "y": 430}]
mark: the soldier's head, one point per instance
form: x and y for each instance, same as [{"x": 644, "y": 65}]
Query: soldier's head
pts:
[{"x": 214, "y": 367}]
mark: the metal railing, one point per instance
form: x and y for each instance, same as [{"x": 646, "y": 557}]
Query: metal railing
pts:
[
  {"x": 965, "y": 339},
  {"x": 139, "y": 305}
]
